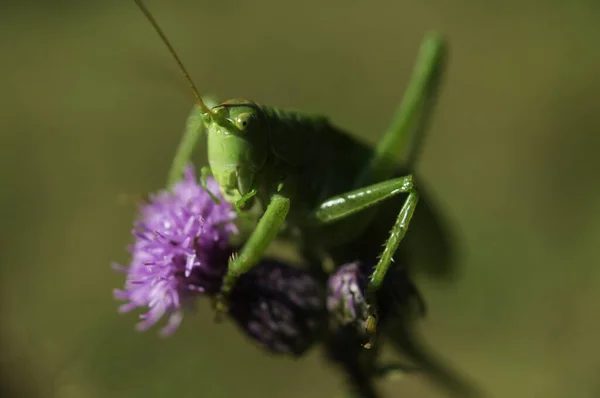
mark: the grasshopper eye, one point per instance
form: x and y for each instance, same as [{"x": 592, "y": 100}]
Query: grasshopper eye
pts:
[{"x": 243, "y": 120}]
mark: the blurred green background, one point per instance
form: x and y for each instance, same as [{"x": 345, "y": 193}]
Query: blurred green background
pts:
[{"x": 93, "y": 107}]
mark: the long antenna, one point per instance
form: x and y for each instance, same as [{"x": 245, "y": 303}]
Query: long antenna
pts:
[{"x": 158, "y": 30}]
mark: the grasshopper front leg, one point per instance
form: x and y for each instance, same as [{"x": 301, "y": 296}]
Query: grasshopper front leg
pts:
[{"x": 265, "y": 232}]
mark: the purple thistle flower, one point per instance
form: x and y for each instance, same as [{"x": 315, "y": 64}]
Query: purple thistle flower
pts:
[
  {"x": 279, "y": 306},
  {"x": 346, "y": 300},
  {"x": 181, "y": 250}
]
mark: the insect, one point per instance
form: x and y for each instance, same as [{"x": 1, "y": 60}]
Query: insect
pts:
[{"x": 335, "y": 196}]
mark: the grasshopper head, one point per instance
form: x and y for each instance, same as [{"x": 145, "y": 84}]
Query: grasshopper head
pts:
[
  {"x": 237, "y": 139},
  {"x": 237, "y": 146}
]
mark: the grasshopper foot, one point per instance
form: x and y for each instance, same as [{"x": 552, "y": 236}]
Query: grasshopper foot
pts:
[
  {"x": 221, "y": 306},
  {"x": 221, "y": 303},
  {"x": 371, "y": 328}
]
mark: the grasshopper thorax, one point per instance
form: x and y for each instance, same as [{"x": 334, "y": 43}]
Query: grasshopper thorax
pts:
[{"x": 237, "y": 146}]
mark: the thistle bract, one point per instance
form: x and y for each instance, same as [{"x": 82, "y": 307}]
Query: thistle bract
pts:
[
  {"x": 346, "y": 295},
  {"x": 180, "y": 251},
  {"x": 279, "y": 306},
  {"x": 346, "y": 301}
]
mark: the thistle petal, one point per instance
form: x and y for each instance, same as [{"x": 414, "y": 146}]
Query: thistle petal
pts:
[{"x": 165, "y": 274}]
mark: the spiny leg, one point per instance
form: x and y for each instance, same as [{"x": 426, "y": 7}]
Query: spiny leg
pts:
[
  {"x": 399, "y": 144},
  {"x": 387, "y": 256},
  {"x": 265, "y": 232},
  {"x": 343, "y": 205}
]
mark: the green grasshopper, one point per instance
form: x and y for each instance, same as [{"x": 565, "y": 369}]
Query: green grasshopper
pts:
[{"x": 312, "y": 180}]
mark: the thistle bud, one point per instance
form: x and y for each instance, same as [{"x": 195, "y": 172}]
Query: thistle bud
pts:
[{"x": 279, "y": 306}]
